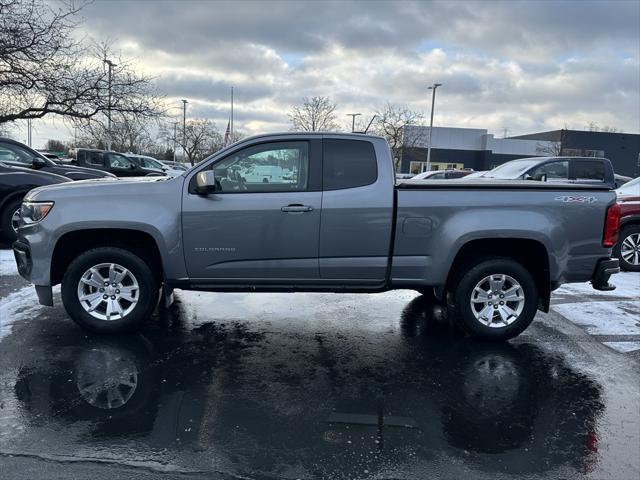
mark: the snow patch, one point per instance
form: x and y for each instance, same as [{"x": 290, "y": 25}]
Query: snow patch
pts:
[
  {"x": 8, "y": 265},
  {"x": 18, "y": 306},
  {"x": 604, "y": 318},
  {"x": 627, "y": 285}
]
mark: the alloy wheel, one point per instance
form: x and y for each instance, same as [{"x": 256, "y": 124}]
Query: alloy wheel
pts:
[
  {"x": 497, "y": 300},
  {"x": 108, "y": 291},
  {"x": 630, "y": 249}
]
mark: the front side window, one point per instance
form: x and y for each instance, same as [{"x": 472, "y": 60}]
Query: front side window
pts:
[
  {"x": 268, "y": 167},
  {"x": 588, "y": 170},
  {"x": 118, "y": 161},
  {"x": 552, "y": 171},
  {"x": 348, "y": 164}
]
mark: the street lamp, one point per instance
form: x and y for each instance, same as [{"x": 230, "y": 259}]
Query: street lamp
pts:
[
  {"x": 353, "y": 120},
  {"x": 433, "y": 103},
  {"x": 111, "y": 65}
]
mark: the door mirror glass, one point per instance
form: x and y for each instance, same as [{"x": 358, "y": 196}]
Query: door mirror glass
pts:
[{"x": 205, "y": 182}]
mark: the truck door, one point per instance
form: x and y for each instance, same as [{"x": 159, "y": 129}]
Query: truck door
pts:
[
  {"x": 255, "y": 231},
  {"x": 357, "y": 212}
]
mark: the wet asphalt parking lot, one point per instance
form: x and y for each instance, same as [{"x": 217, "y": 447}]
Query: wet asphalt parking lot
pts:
[{"x": 266, "y": 386}]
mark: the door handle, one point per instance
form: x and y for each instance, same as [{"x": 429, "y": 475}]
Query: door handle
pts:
[{"x": 296, "y": 208}]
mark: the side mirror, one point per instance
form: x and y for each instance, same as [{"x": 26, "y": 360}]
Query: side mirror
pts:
[
  {"x": 38, "y": 163},
  {"x": 205, "y": 182}
]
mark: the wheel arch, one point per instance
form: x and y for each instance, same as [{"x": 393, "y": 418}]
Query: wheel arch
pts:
[
  {"x": 531, "y": 254},
  {"x": 73, "y": 243}
]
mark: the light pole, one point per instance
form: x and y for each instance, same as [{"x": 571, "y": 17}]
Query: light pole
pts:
[
  {"x": 353, "y": 120},
  {"x": 433, "y": 103},
  {"x": 111, "y": 65},
  {"x": 175, "y": 137},
  {"x": 184, "y": 127}
]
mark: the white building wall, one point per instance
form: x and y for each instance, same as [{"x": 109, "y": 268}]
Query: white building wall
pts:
[{"x": 474, "y": 139}]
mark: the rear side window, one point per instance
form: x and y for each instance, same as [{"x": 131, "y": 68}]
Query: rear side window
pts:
[
  {"x": 588, "y": 170},
  {"x": 348, "y": 164}
]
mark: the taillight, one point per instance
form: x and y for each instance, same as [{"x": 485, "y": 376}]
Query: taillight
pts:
[{"x": 611, "y": 226}]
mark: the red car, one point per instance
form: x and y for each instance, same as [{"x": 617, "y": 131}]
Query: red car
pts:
[{"x": 628, "y": 247}]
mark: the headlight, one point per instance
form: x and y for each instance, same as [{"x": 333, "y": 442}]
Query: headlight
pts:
[{"x": 34, "y": 212}]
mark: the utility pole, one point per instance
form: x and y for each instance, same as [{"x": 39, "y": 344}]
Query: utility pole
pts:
[
  {"x": 184, "y": 127},
  {"x": 29, "y": 131},
  {"x": 231, "y": 122},
  {"x": 111, "y": 65},
  {"x": 353, "y": 120},
  {"x": 433, "y": 104},
  {"x": 175, "y": 137}
]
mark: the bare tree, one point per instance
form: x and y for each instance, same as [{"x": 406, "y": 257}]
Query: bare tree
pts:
[
  {"x": 45, "y": 69},
  {"x": 129, "y": 133},
  {"x": 202, "y": 138},
  {"x": 316, "y": 114},
  {"x": 549, "y": 149},
  {"x": 390, "y": 123}
]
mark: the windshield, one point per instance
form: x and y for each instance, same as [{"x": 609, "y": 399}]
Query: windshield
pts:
[
  {"x": 512, "y": 170},
  {"x": 630, "y": 188}
]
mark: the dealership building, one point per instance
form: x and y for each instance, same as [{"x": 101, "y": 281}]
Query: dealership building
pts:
[{"x": 479, "y": 150}]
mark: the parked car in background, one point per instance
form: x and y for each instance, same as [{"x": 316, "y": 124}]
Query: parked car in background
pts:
[
  {"x": 580, "y": 170},
  {"x": 442, "y": 174},
  {"x": 620, "y": 180},
  {"x": 20, "y": 155},
  {"x": 628, "y": 247},
  {"x": 404, "y": 176},
  {"x": 177, "y": 165},
  {"x": 114, "y": 163},
  {"x": 146, "y": 161},
  {"x": 49, "y": 155},
  {"x": 15, "y": 182},
  {"x": 475, "y": 174}
]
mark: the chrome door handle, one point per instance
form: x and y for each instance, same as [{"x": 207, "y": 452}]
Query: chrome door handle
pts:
[{"x": 296, "y": 208}]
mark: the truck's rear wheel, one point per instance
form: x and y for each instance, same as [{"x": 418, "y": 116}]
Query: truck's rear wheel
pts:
[
  {"x": 495, "y": 300},
  {"x": 109, "y": 290}
]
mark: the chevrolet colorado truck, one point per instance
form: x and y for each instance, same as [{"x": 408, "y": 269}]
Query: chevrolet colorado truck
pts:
[{"x": 324, "y": 215}]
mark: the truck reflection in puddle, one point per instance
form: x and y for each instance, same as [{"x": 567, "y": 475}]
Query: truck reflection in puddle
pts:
[{"x": 234, "y": 398}]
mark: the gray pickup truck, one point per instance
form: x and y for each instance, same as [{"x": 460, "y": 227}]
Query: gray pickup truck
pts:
[{"x": 314, "y": 212}]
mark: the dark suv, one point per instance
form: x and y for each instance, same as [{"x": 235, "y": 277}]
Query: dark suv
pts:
[
  {"x": 113, "y": 162},
  {"x": 17, "y": 154}
]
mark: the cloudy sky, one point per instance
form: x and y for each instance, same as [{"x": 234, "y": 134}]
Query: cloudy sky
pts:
[{"x": 526, "y": 66}]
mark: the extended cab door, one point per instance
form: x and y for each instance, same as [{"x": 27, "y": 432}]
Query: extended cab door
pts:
[
  {"x": 357, "y": 210},
  {"x": 261, "y": 226}
]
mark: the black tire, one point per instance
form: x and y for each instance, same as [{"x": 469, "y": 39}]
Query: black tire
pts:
[
  {"x": 462, "y": 289},
  {"x": 626, "y": 232},
  {"x": 147, "y": 297},
  {"x": 5, "y": 220}
]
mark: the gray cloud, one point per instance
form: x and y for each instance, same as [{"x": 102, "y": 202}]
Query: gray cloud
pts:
[{"x": 523, "y": 64}]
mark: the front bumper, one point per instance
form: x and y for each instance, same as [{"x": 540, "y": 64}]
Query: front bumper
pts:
[
  {"x": 604, "y": 269},
  {"x": 22, "y": 253}
]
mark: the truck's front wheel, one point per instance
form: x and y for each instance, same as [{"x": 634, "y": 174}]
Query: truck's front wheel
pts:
[
  {"x": 496, "y": 299},
  {"x": 109, "y": 290}
]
